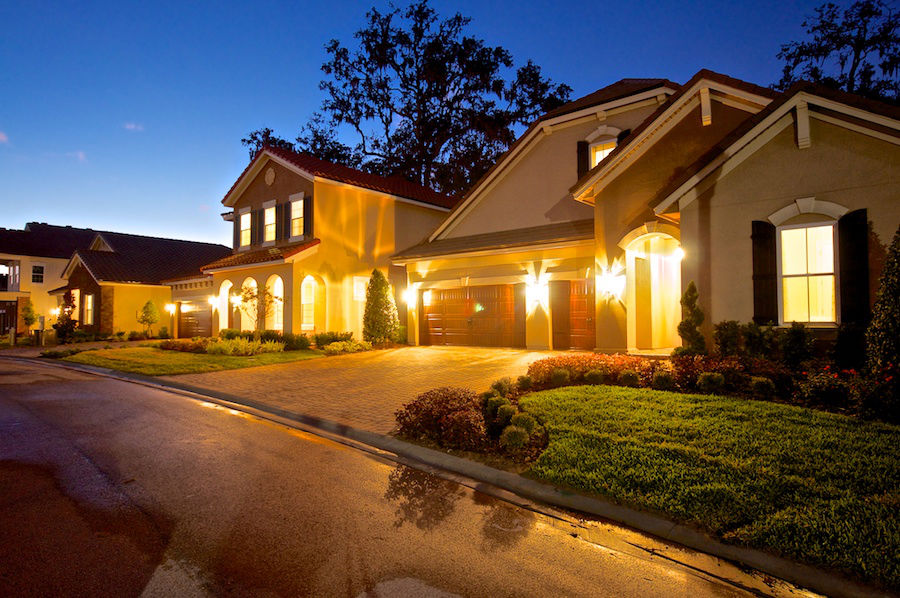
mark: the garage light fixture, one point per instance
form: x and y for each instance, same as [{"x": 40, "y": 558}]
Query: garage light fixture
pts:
[
  {"x": 537, "y": 292},
  {"x": 170, "y": 307},
  {"x": 611, "y": 283},
  {"x": 409, "y": 297}
]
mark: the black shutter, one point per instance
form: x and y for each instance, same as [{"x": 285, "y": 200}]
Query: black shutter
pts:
[
  {"x": 285, "y": 216},
  {"x": 853, "y": 257},
  {"x": 308, "y": 217},
  {"x": 583, "y": 155},
  {"x": 254, "y": 227},
  {"x": 765, "y": 273},
  {"x": 237, "y": 230}
]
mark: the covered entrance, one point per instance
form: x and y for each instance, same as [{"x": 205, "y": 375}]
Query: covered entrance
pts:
[
  {"x": 572, "y": 314},
  {"x": 483, "y": 316},
  {"x": 8, "y": 315}
]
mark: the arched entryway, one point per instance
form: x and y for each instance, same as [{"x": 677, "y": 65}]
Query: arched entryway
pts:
[
  {"x": 275, "y": 310},
  {"x": 223, "y": 304},
  {"x": 308, "y": 292},
  {"x": 249, "y": 305},
  {"x": 653, "y": 287}
]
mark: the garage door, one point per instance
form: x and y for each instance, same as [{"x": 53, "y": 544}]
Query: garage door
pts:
[
  {"x": 196, "y": 322},
  {"x": 572, "y": 309},
  {"x": 482, "y": 316}
]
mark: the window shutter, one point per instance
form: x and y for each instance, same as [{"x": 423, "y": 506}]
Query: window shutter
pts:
[
  {"x": 237, "y": 230},
  {"x": 765, "y": 273},
  {"x": 308, "y": 217},
  {"x": 853, "y": 257},
  {"x": 583, "y": 158},
  {"x": 285, "y": 215},
  {"x": 259, "y": 225}
]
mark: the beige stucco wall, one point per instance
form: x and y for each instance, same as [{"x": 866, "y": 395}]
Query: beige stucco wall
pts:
[
  {"x": 129, "y": 299},
  {"x": 37, "y": 292},
  {"x": 842, "y": 166},
  {"x": 535, "y": 190}
]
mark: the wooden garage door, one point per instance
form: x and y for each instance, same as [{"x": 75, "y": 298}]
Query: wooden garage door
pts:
[
  {"x": 482, "y": 316},
  {"x": 572, "y": 309},
  {"x": 196, "y": 322}
]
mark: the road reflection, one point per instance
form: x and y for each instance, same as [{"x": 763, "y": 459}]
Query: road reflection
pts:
[{"x": 423, "y": 499}]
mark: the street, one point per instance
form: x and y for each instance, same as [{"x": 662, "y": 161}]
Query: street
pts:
[{"x": 110, "y": 488}]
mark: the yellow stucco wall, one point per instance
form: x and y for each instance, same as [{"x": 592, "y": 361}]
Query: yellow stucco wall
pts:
[
  {"x": 37, "y": 292},
  {"x": 842, "y": 166},
  {"x": 129, "y": 299}
]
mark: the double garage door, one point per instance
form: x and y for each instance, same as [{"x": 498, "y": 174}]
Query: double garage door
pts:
[{"x": 482, "y": 316}]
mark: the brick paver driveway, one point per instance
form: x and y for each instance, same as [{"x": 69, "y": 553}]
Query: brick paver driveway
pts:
[{"x": 364, "y": 390}]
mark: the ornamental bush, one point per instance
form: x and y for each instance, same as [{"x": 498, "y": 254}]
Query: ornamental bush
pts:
[
  {"x": 197, "y": 345},
  {"x": 825, "y": 390},
  {"x": 351, "y": 346},
  {"x": 380, "y": 320},
  {"x": 692, "y": 317},
  {"x": 728, "y": 337},
  {"x": 462, "y": 430},
  {"x": 663, "y": 380},
  {"x": 523, "y": 383},
  {"x": 324, "y": 339},
  {"x": 426, "y": 416},
  {"x": 711, "y": 382},
  {"x": 296, "y": 342},
  {"x": 596, "y": 376},
  {"x": 762, "y": 388},
  {"x": 883, "y": 334},
  {"x": 513, "y": 439},
  {"x": 502, "y": 386},
  {"x": 760, "y": 342},
  {"x": 560, "y": 377},
  {"x": 504, "y": 416},
  {"x": 578, "y": 364},
  {"x": 796, "y": 345},
  {"x": 243, "y": 347},
  {"x": 525, "y": 421},
  {"x": 629, "y": 378}
]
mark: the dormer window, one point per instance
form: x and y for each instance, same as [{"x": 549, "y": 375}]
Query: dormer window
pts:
[
  {"x": 269, "y": 220},
  {"x": 601, "y": 149},
  {"x": 245, "y": 229}
]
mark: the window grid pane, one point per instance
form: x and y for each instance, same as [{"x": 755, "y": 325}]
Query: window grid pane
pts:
[
  {"x": 820, "y": 250},
  {"x": 245, "y": 229},
  {"x": 297, "y": 218},
  {"x": 793, "y": 251},
  {"x": 807, "y": 268},
  {"x": 269, "y": 229}
]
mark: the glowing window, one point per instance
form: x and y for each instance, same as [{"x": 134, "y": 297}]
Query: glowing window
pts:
[
  {"x": 245, "y": 229},
  {"x": 88, "y": 310},
  {"x": 600, "y": 151},
  {"x": 308, "y": 303},
  {"x": 807, "y": 274},
  {"x": 297, "y": 218},
  {"x": 269, "y": 231}
]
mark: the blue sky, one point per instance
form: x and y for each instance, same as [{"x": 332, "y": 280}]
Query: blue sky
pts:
[{"x": 128, "y": 116}]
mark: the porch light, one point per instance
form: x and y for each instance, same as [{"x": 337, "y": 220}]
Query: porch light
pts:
[
  {"x": 611, "y": 284},
  {"x": 537, "y": 292},
  {"x": 409, "y": 297},
  {"x": 426, "y": 298},
  {"x": 235, "y": 300},
  {"x": 54, "y": 312},
  {"x": 170, "y": 307},
  {"x": 678, "y": 254},
  {"x": 213, "y": 302}
]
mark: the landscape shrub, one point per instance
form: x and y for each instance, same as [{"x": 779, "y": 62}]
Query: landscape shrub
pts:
[
  {"x": 525, "y": 421},
  {"x": 762, "y": 388},
  {"x": 229, "y": 333},
  {"x": 781, "y": 375},
  {"x": 137, "y": 336},
  {"x": 578, "y": 364},
  {"x": 196, "y": 345},
  {"x": 164, "y": 333},
  {"x": 402, "y": 336},
  {"x": 693, "y": 342},
  {"x": 380, "y": 320},
  {"x": 883, "y": 334},
  {"x": 687, "y": 370},
  {"x": 491, "y": 414},
  {"x": 505, "y": 414},
  {"x": 849, "y": 350},
  {"x": 663, "y": 380},
  {"x": 711, "y": 382},
  {"x": 81, "y": 336},
  {"x": 523, "y": 383},
  {"x": 760, "y": 341},
  {"x": 296, "y": 342},
  {"x": 120, "y": 335},
  {"x": 425, "y": 416},
  {"x": 629, "y": 378},
  {"x": 243, "y": 347},
  {"x": 323, "y": 339},
  {"x": 503, "y": 386},
  {"x": 560, "y": 377},
  {"x": 796, "y": 345},
  {"x": 513, "y": 439},
  {"x": 349, "y": 346},
  {"x": 59, "y": 353},
  {"x": 824, "y": 389},
  {"x": 596, "y": 376},
  {"x": 463, "y": 430},
  {"x": 878, "y": 395},
  {"x": 270, "y": 335},
  {"x": 727, "y": 336}
]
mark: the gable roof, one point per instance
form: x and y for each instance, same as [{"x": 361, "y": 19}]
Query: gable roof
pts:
[
  {"x": 732, "y": 143},
  {"x": 145, "y": 260},
  {"x": 314, "y": 167},
  {"x": 39, "y": 239},
  {"x": 260, "y": 256},
  {"x": 662, "y": 114},
  {"x": 616, "y": 93}
]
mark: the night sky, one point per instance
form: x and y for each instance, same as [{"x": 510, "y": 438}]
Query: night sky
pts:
[{"x": 128, "y": 116}]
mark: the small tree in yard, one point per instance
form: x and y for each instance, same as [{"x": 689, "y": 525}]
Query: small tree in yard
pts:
[
  {"x": 692, "y": 340},
  {"x": 259, "y": 304},
  {"x": 148, "y": 317},
  {"x": 28, "y": 315},
  {"x": 883, "y": 335},
  {"x": 65, "y": 324},
  {"x": 380, "y": 320}
]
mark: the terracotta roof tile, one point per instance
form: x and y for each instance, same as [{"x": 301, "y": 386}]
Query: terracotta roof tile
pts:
[{"x": 269, "y": 254}]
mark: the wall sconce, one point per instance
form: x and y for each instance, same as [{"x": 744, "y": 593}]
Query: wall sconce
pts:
[
  {"x": 213, "y": 302},
  {"x": 54, "y": 312},
  {"x": 170, "y": 307},
  {"x": 611, "y": 284},
  {"x": 537, "y": 292},
  {"x": 409, "y": 297},
  {"x": 235, "y": 300},
  {"x": 426, "y": 298},
  {"x": 677, "y": 255}
]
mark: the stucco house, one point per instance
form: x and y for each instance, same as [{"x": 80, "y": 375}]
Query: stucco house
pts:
[
  {"x": 307, "y": 235},
  {"x": 777, "y": 205}
]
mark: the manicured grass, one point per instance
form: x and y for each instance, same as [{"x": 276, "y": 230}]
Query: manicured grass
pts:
[
  {"x": 156, "y": 362},
  {"x": 812, "y": 486}
]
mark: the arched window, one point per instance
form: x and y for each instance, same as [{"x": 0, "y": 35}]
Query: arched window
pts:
[
  {"x": 275, "y": 311},
  {"x": 249, "y": 305},
  {"x": 223, "y": 304}
]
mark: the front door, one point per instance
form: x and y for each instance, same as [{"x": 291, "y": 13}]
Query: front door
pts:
[
  {"x": 572, "y": 314},
  {"x": 8, "y": 314}
]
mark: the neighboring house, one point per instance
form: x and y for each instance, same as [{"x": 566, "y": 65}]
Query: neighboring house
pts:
[
  {"x": 32, "y": 261},
  {"x": 307, "y": 235},
  {"x": 118, "y": 273},
  {"x": 777, "y": 205}
]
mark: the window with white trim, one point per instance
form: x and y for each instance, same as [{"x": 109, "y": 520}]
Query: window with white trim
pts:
[
  {"x": 269, "y": 221},
  {"x": 37, "y": 274},
  {"x": 297, "y": 218},
  {"x": 245, "y": 229},
  {"x": 807, "y": 273},
  {"x": 88, "y": 310},
  {"x": 600, "y": 150},
  {"x": 308, "y": 304}
]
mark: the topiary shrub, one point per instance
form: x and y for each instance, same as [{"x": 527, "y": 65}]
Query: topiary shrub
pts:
[
  {"x": 711, "y": 382},
  {"x": 727, "y": 335},
  {"x": 596, "y": 376},
  {"x": 560, "y": 377},
  {"x": 762, "y": 388},
  {"x": 692, "y": 317},
  {"x": 796, "y": 345},
  {"x": 513, "y": 439},
  {"x": 425, "y": 416},
  {"x": 502, "y": 386},
  {"x": 525, "y": 421},
  {"x": 523, "y": 383},
  {"x": 380, "y": 320},
  {"x": 504, "y": 416},
  {"x": 663, "y": 380},
  {"x": 629, "y": 378}
]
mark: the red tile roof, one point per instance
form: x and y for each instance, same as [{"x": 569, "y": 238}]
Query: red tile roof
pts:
[
  {"x": 344, "y": 174},
  {"x": 269, "y": 254}
]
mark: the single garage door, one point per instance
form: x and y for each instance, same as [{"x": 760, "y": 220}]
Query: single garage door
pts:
[
  {"x": 572, "y": 309},
  {"x": 481, "y": 316},
  {"x": 194, "y": 322}
]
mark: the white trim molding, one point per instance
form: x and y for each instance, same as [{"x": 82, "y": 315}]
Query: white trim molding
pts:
[
  {"x": 807, "y": 205},
  {"x": 649, "y": 228}
]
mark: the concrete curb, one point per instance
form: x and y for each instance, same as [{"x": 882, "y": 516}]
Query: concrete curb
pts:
[{"x": 800, "y": 574}]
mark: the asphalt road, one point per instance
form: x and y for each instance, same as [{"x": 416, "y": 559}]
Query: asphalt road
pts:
[{"x": 114, "y": 489}]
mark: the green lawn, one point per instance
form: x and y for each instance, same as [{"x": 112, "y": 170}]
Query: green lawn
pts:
[
  {"x": 809, "y": 485},
  {"x": 156, "y": 362}
]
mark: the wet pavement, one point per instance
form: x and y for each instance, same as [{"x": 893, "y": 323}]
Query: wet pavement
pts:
[{"x": 110, "y": 488}]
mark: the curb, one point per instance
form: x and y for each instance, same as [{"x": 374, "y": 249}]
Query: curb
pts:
[{"x": 800, "y": 574}]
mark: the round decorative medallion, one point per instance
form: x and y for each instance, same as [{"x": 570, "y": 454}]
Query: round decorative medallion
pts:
[{"x": 270, "y": 176}]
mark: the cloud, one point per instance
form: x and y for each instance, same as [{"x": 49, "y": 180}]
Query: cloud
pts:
[
  {"x": 4, "y": 138},
  {"x": 137, "y": 127},
  {"x": 79, "y": 155}
]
